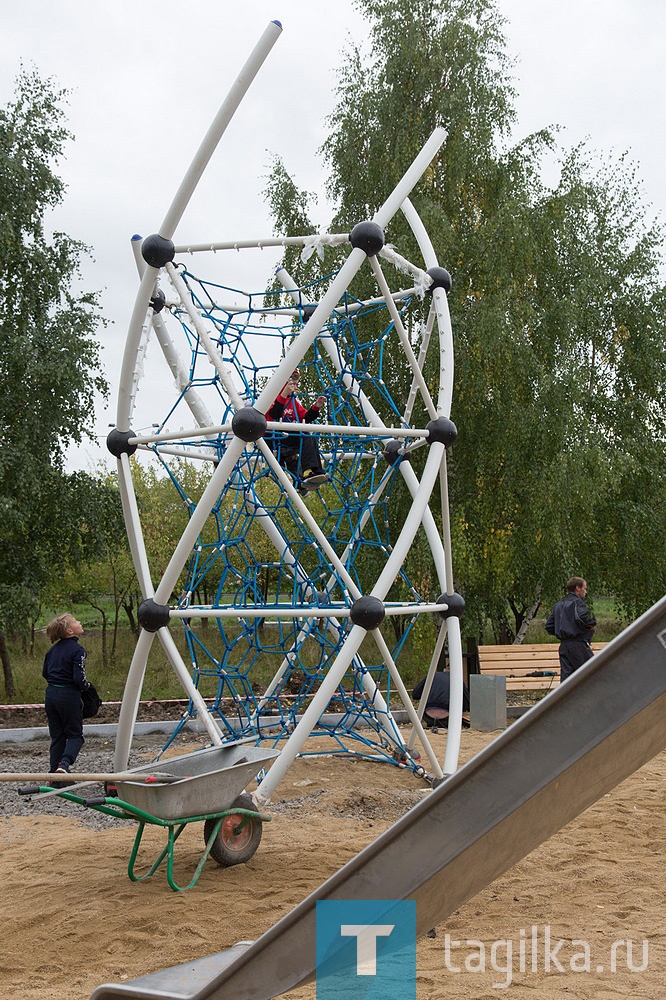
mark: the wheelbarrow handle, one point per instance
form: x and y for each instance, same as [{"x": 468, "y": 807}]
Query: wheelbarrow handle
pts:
[{"x": 78, "y": 778}]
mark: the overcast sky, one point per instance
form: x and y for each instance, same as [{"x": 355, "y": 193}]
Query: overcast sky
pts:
[{"x": 146, "y": 78}]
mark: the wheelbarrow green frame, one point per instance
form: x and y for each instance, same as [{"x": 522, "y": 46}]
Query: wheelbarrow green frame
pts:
[{"x": 112, "y": 806}]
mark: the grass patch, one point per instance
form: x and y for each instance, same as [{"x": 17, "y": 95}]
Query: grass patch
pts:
[{"x": 160, "y": 680}]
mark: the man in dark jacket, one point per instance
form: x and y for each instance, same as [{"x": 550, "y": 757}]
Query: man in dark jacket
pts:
[{"x": 573, "y": 624}]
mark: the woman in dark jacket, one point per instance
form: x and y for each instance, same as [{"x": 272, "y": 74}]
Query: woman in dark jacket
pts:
[{"x": 65, "y": 673}]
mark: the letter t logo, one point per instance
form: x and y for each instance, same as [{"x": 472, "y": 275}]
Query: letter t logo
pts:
[
  {"x": 366, "y": 944},
  {"x": 373, "y": 938}
]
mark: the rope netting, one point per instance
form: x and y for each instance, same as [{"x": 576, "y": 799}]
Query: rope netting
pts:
[{"x": 269, "y": 557}]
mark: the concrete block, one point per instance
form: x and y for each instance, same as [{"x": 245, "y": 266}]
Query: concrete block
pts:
[{"x": 487, "y": 702}]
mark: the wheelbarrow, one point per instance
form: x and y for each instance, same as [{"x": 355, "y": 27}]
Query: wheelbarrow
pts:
[{"x": 198, "y": 787}]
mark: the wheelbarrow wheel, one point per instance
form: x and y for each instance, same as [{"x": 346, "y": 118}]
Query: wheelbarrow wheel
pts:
[{"x": 239, "y": 836}]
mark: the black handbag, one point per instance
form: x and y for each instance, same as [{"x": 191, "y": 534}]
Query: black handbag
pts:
[{"x": 91, "y": 702}]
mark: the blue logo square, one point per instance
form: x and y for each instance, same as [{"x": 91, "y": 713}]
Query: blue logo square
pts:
[{"x": 366, "y": 949}]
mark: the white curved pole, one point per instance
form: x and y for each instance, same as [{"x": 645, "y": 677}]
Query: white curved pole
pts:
[
  {"x": 133, "y": 526},
  {"x": 218, "y": 127},
  {"x": 175, "y": 212},
  {"x": 417, "y": 374},
  {"x": 441, "y": 307},
  {"x": 410, "y": 178}
]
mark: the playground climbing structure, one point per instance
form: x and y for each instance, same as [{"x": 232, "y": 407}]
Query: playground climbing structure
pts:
[{"x": 296, "y": 603}]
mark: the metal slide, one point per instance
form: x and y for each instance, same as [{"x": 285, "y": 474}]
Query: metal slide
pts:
[{"x": 584, "y": 738}]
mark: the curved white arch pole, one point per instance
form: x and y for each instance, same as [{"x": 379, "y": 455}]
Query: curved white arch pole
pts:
[
  {"x": 179, "y": 204},
  {"x": 125, "y": 394},
  {"x": 218, "y": 127},
  {"x": 441, "y": 306}
]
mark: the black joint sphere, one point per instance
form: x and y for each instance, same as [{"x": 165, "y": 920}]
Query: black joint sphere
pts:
[
  {"x": 158, "y": 300},
  {"x": 153, "y": 616},
  {"x": 455, "y": 605},
  {"x": 367, "y": 236},
  {"x": 248, "y": 424},
  {"x": 442, "y": 430},
  {"x": 440, "y": 279},
  {"x": 307, "y": 310},
  {"x": 368, "y": 612},
  {"x": 157, "y": 251},
  {"x": 391, "y": 453},
  {"x": 118, "y": 442}
]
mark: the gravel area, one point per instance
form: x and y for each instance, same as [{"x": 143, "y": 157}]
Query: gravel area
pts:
[{"x": 96, "y": 756}]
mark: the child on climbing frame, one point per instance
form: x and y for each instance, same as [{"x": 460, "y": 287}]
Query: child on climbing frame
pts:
[{"x": 299, "y": 453}]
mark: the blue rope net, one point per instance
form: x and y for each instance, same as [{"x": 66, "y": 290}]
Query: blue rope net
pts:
[{"x": 259, "y": 673}]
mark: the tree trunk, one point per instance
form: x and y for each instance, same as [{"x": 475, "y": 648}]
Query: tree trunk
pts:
[
  {"x": 529, "y": 617},
  {"x": 128, "y": 608},
  {"x": 10, "y": 689},
  {"x": 105, "y": 656}
]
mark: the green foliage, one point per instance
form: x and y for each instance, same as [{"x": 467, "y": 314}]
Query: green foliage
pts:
[
  {"x": 49, "y": 357},
  {"x": 558, "y": 312}
]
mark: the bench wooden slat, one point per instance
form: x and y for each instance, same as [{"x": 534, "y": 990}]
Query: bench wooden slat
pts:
[{"x": 517, "y": 662}]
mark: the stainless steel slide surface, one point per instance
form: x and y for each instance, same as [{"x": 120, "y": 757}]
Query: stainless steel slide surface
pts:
[{"x": 584, "y": 738}]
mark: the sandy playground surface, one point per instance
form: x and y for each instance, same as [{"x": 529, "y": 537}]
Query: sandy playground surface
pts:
[{"x": 73, "y": 919}]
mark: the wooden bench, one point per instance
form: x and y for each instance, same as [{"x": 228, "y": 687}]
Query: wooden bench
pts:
[{"x": 521, "y": 663}]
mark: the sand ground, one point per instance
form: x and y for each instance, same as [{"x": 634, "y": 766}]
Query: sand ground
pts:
[{"x": 73, "y": 919}]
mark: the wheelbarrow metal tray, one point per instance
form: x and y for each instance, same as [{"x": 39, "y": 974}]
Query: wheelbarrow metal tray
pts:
[{"x": 211, "y": 780}]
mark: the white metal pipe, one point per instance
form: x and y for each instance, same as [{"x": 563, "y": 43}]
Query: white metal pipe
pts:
[
  {"x": 441, "y": 306},
  {"x": 423, "y": 351},
  {"x": 182, "y": 451},
  {"x": 187, "y": 684},
  {"x": 421, "y": 234},
  {"x": 406, "y": 700},
  {"x": 290, "y": 285},
  {"x": 260, "y": 244},
  {"x": 412, "y": 522},
  {"x": 411, "y": 480},
  {"x": 446, "y": 525},
  {"x": 133, "y": 526},
  {"x": 132, "y": 344},
  {"x": 177, "y": 366},
  {"x": 455, "y": 696},
  {"x": 404, "y": 339},
  {"x": 289, "y": 611},
  {"x": 218, "y": 127},
  {"x": 214, "y": 355},
  {"x": 411, "y": 177},
  {"x": 429, "y": 525},
  {"x": 311, "y": 716},
  {"x": 427, "y": 684},
  {"x": 444, "y": 401},
  {"x": 197, "y": 520},
  {"x": 341, "y": 282},
  {"x": 306, "y": 337},
  {"x": 277, "y": 425},
  {"x": 129, "y": 705}
]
